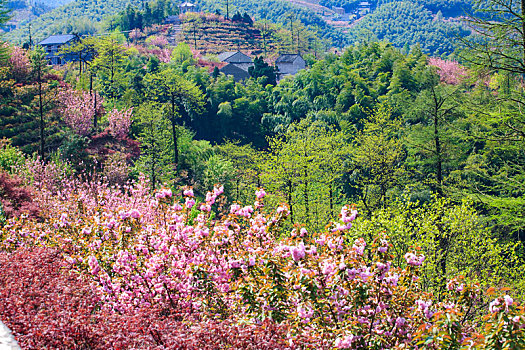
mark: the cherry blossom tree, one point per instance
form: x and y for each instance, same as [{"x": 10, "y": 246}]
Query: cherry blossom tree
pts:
[
  {"x": 20, "y": 65},
  {"x": 450, "y": 72},
  {"x": 76, "y": 108},
  {"x": 119, "y": 122}
]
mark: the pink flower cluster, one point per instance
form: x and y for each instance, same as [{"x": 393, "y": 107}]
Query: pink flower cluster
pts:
[
  {"x": 413, "y": 259},
  {"x": 168, "y": 251},
  {"x": 19, "y": 61},
  {"x": 450, "y": 72},
  {"x": 78, "y": 110},
  {"x": 119, "y": 122}
]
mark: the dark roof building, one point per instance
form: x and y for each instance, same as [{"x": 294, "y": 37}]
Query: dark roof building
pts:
[
  {"x": 234, "y": 57},
  {"x": 289, "y": 64},
  {"x": 237, "y": 72},
  {"x": 57, "y": 40},
  {"x": 53, "y": 44}
]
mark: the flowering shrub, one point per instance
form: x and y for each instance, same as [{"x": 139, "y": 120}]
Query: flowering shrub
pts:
[
  {"x": 15, "y": 198},
  {"x": 450, "y": 72},
  {"x": 47, "y": 307},
  {"x": 119, "y": 122},
  {"x": 163, "y": 54},
  {"x": 19, "y": 62},
  {"x": 77, "y": 110},
  {"x": 174, "y": 254},
  {"x": 157, "y": 40},
  {"x": 115, "y": 169}
]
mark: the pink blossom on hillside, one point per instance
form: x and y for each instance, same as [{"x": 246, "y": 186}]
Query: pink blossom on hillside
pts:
[
  {"x": 78, "y": 109},
  {"x": 156, "y": 40},
  {"x": 119, "y": 122},
  {"x": 450, "y": 72},
  {"x": 19, "y": 61}
]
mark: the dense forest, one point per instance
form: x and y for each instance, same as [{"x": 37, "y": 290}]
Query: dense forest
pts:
[
  {"x": 373, "y": 200},
  {"x": 407, "y": 23}
]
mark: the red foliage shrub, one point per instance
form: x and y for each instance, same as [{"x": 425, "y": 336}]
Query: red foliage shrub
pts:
[
  {"x": 16, "y": 199},
  {"x": 47, "y": 306}
]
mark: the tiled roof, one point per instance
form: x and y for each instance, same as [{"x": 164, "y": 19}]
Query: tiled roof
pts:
[
  {"x": 225, "y": 55},
  {"x": 287, "y": 58},
  {"x": 57, "y": 39}
]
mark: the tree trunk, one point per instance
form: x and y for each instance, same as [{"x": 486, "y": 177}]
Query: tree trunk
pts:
[
  {"x": 523, "y": 34},
  {"x": 331, "y": 195},
  {"x": 437, "y": 145},
  {"x": 305, "y": 194},
  {"x": 174, "y": 131},
  {"x": 41, "y": 111},
  {"x": 290, "y": 199}
]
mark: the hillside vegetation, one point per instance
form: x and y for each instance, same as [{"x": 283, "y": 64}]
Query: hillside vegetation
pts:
[
  {"x": 212, "y": 34},
  {"x": 406, "y": 23},
  {"x": 278, "y": 11},
  {"x": 374, "y": 199},
  {"x": 82, "y": 16}
]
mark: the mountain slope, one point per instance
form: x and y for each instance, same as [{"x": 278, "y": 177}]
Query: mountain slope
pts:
[
  {"x": 82, "y": 16},
  {"x": 277, "y": 11},
  {"x": 406, "y": 23}
]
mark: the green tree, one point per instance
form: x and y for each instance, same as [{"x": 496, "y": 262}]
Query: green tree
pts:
[
  {"x": 182, "y": 55},
  {"x": 433, "y": 145},
  {"x": 454, "y": 239},
  {"x": 295, "y": 166},
  {"x": 45, "y": 93},
  {"x": 155, "y": 141},
  {"x": 109, "y": 64},
  {"x": 377, "y": 159},
  {"x": 496, "y": 173},
  {"x": 182, "y": 97},
  {"x": 263, "y": 69},
  {"x": 499, "y": 43},
  {"x": 4, "y": 17}
]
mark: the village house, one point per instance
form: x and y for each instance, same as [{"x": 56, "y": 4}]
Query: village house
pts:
[
  {"x": 338, "y": 10},
  {"x": 363, "y": 8},
  {"x": 237, "y": 58},
  {"x": 289, "y": 64},
  {"x": 53, "y": 46},
  {"x": 238, "y": 64},
  {"x": 236, "y": 72}
]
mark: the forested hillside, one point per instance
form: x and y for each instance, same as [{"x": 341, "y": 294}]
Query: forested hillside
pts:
[
  {"x": 83, "y": 17},
  {"x": 407, "y": 23},
  {"x": 90, "y": 16},
  {"x": 373, "y": 200}
]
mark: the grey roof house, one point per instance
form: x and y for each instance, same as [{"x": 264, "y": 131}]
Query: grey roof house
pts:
[
  {"x": 234, "y": 57},
  {"x": 236, "y": 72},
  {"x": 289, "y": 64},
  {"x": 53, "y": 44},
  {"x": 238, "y": 64}
]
